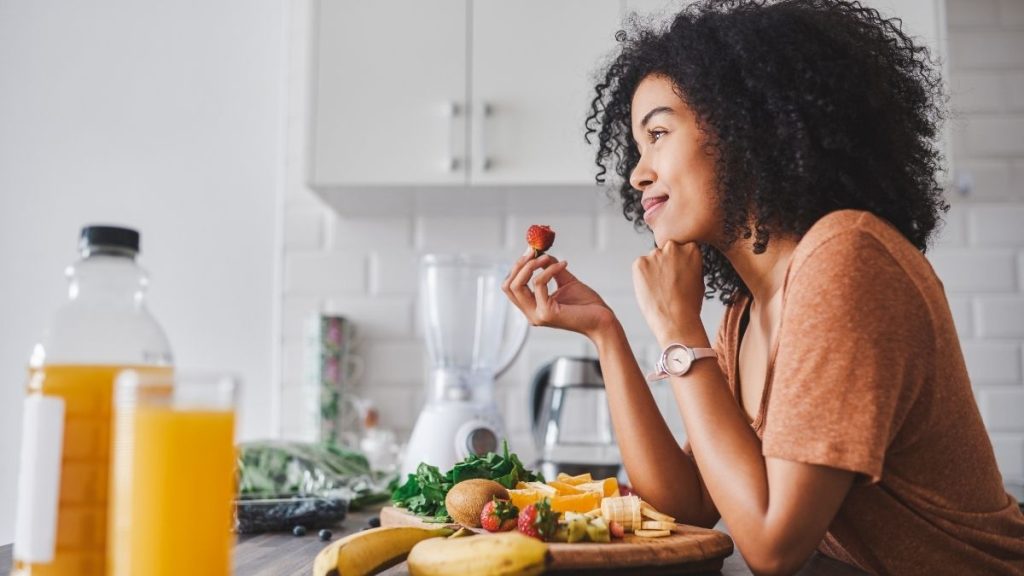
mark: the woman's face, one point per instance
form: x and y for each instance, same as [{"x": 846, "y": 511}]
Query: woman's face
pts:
[{"x": 675, "y": 175}]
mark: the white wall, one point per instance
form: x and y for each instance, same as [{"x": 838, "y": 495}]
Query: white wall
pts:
[
  {"x": 166, "y": 116},
  {"x": 365, "y": 268}
]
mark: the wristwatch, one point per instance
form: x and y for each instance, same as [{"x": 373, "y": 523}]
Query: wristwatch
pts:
[{"x": 676, "y": 360}]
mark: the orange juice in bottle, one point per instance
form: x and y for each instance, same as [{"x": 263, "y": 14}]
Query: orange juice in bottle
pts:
[{"x": 63, "y": 485}]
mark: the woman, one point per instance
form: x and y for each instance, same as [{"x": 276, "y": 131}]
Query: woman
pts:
[{"x": 782, "y": 155}]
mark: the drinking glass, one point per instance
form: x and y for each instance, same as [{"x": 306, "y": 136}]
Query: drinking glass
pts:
[{"x": 173, "y": 474}]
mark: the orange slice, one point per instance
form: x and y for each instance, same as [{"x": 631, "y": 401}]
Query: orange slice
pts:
[
  {"x": 523, "y": 498},
  {"x": 574, "y": 480},
  {"x": 564, "y": 488},
  {"x": 581, "y": 503}
]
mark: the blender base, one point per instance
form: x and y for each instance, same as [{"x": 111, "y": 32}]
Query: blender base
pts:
[{"x": 447, "y": 432}]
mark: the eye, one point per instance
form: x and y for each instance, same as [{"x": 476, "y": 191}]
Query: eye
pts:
[{"x": 655, "y": 134}]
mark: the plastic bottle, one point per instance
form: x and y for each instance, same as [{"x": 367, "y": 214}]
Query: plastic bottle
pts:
[{"x": 103, "y": 328}]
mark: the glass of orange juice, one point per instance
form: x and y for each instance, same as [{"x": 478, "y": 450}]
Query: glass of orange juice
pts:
[{"x": 172, "y": 474}]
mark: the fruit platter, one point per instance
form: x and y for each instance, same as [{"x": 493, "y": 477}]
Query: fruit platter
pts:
[{"x": 491, "y": 515}]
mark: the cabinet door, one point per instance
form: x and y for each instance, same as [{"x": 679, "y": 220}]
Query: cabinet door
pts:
[
  {"x": 531, "y": 85},
  {"x": 389, "y": 74}
]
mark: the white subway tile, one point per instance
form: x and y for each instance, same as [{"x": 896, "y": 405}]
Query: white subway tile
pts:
[
  {"x": 295, "y": 311},
  {"x": 615, "y": 233},
  {"x": 573, "y": 234},
  {"x": 365, "y": 234},
  {"x": 985, "y": 49},
  {"x": 555, "y": 200},
  {"x": 460, "y": 234},
  {"x": 997, "y": 225},
  {"x": 989, "y": 179},
  {"x": 992, "y": 362},
  {"x": 1003, "y": 409},
  {"x": 977, "y": 92},
  {"x": 608, "y": 273},
  {"x": 300, "y": 196},
  {"x": 297, "y": 414},
  {"x": 377, "y": 317},
  {"x": 996, "y": 136},
  {"x": 1009, "y": 449},
  {"x": 392, "y": 363},
  {"x": 325, "y": 273},
  {"x": 1020, "y": 268},
  {"x": 975, "y": 269},
  {"x": 1011, "y": 13},
  {"x": 1015, "y": 89},
  {"x": 953, "y": 230},
  {"x": 304, "y": 228},
  {"x": 1000, "y": 316},
  {"x": 546, "y": 344},
  {"x": 394, "y": 272},
  {"x": 397, "y": 407},
  {"x": 514, "y": 404},
  {"x": 628, "y": 312},
  {"x": 975, "y": 13},
  {"x": 963, "y": 315},
  {"x": 293, "y": 364}
]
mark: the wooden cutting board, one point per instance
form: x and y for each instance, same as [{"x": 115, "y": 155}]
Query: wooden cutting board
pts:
[{"x": 688, "y": 550}]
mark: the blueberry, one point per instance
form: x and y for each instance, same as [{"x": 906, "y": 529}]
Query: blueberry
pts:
[
  {"x": 299, "y": 530},
  {"x": 325, "y": 534},
  {"x": 375, "y": 522}
]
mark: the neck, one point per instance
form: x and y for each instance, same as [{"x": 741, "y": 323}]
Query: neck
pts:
[{"x": 763, "y": 273}]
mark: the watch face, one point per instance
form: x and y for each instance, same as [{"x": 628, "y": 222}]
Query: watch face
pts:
[{"x": 677, "y": 361}]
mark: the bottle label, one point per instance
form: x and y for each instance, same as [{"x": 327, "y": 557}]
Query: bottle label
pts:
[{"x": 42, "y": 444}]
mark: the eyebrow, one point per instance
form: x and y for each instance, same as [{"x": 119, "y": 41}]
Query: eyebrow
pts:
[{"x": 647, "y": 117}]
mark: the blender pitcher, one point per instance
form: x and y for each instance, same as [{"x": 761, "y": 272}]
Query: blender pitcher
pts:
[{"x": 464, "y": 318}]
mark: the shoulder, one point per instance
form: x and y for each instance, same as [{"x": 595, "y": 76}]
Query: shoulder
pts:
[{"x": 849, "y": 243}]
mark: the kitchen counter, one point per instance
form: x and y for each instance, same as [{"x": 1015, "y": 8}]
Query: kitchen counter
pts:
[{"x": 287, "y": 555}]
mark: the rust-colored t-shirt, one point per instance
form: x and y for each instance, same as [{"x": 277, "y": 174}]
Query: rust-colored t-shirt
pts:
[{"x": 867, "y": 375}]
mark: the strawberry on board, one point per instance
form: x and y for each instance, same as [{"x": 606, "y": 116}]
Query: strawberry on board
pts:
[
  {"x": 538, "y": 520},
  {"x": 540, "y": 238},
  {"x": 498, "y": 516}
]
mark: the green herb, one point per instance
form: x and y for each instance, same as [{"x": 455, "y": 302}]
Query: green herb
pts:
[{"x": 423, "y": 493}]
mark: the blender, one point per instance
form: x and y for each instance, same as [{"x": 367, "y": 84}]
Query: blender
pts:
[{"x": 470, "y": 343}]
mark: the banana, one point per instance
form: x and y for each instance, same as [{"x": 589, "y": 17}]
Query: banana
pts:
[
  {"x": 504, "y": 554},
  {"x": 371, "y": 551}
]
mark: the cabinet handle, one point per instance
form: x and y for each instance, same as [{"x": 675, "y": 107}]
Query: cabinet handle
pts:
[
  {"x": 451, "y": 111},
  {"x": 486, "y": 111}
]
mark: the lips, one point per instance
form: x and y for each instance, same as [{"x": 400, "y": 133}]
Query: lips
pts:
[
  {"x": 651, "y": 201},
  {"x": 651, "y": 205}
]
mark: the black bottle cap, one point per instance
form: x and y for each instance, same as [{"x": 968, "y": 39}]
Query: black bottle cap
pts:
[{"x": 115, "y": 237}]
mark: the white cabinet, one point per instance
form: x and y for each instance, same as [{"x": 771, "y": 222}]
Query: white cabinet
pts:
[
  {"x": 456, "y": 92},
  {"x": 532, "y": 79},
  {"x": 390, "y": 74}
]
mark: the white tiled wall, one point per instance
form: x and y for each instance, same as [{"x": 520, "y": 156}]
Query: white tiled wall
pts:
[
  {"x": 981, "y": 258},
  {"x": 366, "y": 268}
]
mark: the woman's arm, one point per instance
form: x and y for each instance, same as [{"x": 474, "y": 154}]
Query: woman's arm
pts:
[
  {"x": 658, "y": 469},
  {"x": 777, "y": 511}
]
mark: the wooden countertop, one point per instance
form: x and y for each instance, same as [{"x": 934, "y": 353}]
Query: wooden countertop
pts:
[{"x": 286, "y": 555}]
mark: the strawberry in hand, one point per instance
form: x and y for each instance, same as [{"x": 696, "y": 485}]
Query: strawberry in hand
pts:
[
  {"x": 540, "y": 238},
  {"x": 538, "y": 520},
  {"x": 498, "y": 516}
]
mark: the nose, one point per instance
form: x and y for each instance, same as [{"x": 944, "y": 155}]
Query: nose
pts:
[{"x": 642, "y": 175}]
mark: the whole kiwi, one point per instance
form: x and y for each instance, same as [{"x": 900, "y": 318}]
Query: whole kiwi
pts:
[{"x": 466, "y": 500}]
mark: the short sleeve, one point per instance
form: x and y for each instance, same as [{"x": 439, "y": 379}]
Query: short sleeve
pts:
[{"x": 852, "y": 344}]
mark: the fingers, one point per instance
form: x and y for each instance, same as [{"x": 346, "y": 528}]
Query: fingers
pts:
[
  {"x": 516, "y": 285},
  {"x": 540, "y": 284}
]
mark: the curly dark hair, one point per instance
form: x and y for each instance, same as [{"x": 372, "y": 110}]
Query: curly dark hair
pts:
[{"x": 808, "y": 106}]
